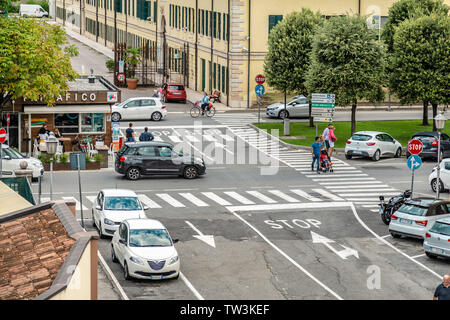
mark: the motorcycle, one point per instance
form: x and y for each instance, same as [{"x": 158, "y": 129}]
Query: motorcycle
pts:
[{"x": 388, "y": 208}]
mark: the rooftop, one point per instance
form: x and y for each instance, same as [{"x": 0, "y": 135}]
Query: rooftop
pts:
[{"x": 82, "y": 84}]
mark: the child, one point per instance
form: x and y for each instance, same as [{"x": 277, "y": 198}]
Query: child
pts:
[{"x": 315, "y": 151}]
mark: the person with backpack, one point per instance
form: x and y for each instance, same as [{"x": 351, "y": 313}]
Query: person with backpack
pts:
[
  {"x": 205, "y": 102},
  {"x": 332, "y": 140},
  {"x": 129, "y": 134},
  {"x": 146, "y": 136}
]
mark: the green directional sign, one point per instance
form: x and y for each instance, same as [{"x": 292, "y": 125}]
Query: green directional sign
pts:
[{"x": 322, "y": 105}]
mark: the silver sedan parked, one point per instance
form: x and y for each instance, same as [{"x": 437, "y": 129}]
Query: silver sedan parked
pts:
[{"x": 299, "y": 107}]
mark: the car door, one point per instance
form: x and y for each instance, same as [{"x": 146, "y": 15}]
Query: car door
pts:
[
  {"x": 301, "y": 107},
  {"x": 148, "y": 157},
  {"x": 445, "y": 173},
  {"x": 389, "y": 144},
  {"x": 131, "y": 110},
  {"x": 166, "y": 163},
  {"x": 98, "y": 213},
  {"x": 148, "y": 106},
  {"x": 121, "y": 248},
  {"x": 379, "y": 139}
]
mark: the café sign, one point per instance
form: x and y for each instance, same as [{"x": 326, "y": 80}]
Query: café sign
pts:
[{"x": 76, "y": 96}]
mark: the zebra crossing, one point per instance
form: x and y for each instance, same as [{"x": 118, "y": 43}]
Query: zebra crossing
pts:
[
  {"x": 346, "y": 183},
  {"x": 204, "y": 199}
]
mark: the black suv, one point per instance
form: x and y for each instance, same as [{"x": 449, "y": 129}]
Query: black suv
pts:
[
  {"x": 136, "y": 159},
  {"x": 430, "y": 144}
]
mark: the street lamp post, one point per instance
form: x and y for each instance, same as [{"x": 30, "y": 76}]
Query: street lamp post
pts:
[
  {"x": 51, "y": 145},
  {"x": 440, "y": 123}
]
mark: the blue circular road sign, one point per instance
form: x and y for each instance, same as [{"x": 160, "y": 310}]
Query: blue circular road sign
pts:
[
  {"x": 259, "y": 89},
  {"x": 414, "y": 162}
]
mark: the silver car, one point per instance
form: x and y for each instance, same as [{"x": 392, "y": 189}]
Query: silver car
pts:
[
  {"x": 416, "y": 216},
  {"x": 437, "y": 239},
  {"x": 299, "y": 107}
]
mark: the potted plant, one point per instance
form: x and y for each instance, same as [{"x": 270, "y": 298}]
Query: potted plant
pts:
[
  {"x": 110, "y": 65},
  {"x": 132, "y": 59}
]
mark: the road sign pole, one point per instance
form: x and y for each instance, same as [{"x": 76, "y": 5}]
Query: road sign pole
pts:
[
  {"x": 317, "y": 129},
  {"x": 259, "y": 109},
  {"x": 1, "y": 161},
  {"x": 79, "y": 188},
  {"x": 438, "y": 180},
  {"x": 412, "y": 184}
]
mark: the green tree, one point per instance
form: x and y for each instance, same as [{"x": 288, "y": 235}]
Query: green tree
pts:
[
  {"x": 347, "y": 60},
  {"x": 421, "y": 60},
  {"x": 132, "y": 58},
  {"x": 32, "y": 61},
  {"x": 399, "y": 12},
  {"x": 290, "y": 44}
]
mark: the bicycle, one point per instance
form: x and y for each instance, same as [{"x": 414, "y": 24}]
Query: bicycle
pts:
[{"x": 196, "y": 111}]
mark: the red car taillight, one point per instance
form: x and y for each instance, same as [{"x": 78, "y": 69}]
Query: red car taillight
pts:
[
  {"x": 435, "y": 143},
  {"x": 122, "y": 159},
  {"x": 423, "y": 223},
  {"x": 163, "y": 107},
  {"x": 370, "y": 143},
  {"x": 427, "y": 235},
  {"x": 394, "y": 217},
  {"x": 348, "y": 142}
]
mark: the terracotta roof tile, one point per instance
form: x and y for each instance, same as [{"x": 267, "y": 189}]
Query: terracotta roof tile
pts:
[{"x": 32, "y": 251}]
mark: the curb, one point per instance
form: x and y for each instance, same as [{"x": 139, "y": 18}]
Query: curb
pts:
[{"x": 111, "y": 277}]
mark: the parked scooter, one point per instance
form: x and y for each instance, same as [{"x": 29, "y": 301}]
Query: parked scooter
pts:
[{"x": 388, "y": 208}]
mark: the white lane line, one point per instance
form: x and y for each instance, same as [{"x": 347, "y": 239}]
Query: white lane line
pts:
[
  {"x": 286, "y": 256},
  {"x": 111, "y": 276},
  {"x": 343, "y": 183},
  {"x": 170, "y": 200},
  {"x": 340, "y": 175},
  {"x": 195, "y": 148},
  {"x": 306, "y": 195},
  {"x": 77, "y": 203},
  {"x": 191, "y": 138},
  {"x": 361, "y": 187},
  {"x": 191, "y": 287},
  {"x": 148, "y": 202},
  {"x": 175, "y": 139},
  {"x": 261, "y": 196},
  {"x": 238, "y": 197},
  {"x": 391, "y": 245},
  {"x": 364, "y": 199},
  {"x": 418, "y": 256},
  {"x": 226, "y": 137},
  {"x": 370, "y": 206},
  {"x": 91, "y": 198},
  {"x": 209, "y": 137},
  {"x": 386, "y": 236},
  {"x": 194, "y": 199},
  {"x": 158, "y": 139},
  {"x": 216, "y": 198},
  {"x": 283, "y": 196},
  {"x": 367, "y": 194},
  {"x": 339, "y": 179},
  {"x": 327, "y": 194},
  {"x": 374, "y": 210}
]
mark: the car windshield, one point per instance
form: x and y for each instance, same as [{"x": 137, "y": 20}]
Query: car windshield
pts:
[
  {"x": 441, "y": 228},
  {"x": 174, "y": 87},
  {"x": 13, "y": 154},
  {"x": 150, "y": 238},
  {"x": 122, "y": 203},
  {"x": 360, "y": 137},
  {"x": 413, "y": 210}
]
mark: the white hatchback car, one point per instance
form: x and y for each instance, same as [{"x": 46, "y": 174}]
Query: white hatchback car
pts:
[
  {"x": 444, "y": 176},
  {"x": 372, "y": 144},
  {"x": 145, "y": 250},
  {"x": 11, "y": 161},
  {"x": 437, "y": 239},
  {"x": 416, "y": 216},
  {"x": 112, "y": 206},
  {"x": 140, "y": 108}
]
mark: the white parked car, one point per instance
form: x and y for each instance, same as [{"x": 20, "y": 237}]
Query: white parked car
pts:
[
  {"x": 372, "y": 144},
  {"x": 437, "y": 239},
  {"x": 299, "y": 107},
  {"x": 32, "y": 10},
  {"x": 11, "y": 160},
  {"x": 145, "y": 250},
  {"x": 416, "y": 216},
  {"x": 140, "y": 108},
  {"x": 444, "y": 176},
  {"x": 112, "y": 206}
]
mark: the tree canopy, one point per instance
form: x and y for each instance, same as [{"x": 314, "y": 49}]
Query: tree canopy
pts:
[
  {"x": 347, "y": 60},
  {"x": 290, "y": 43},
  {"x": 32, "y": 61}
]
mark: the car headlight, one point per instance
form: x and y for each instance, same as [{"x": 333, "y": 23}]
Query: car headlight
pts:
[
  {"x": 137, "y": 261},
  {"x": 109, "y": 222},
  {"x": 173, "y": 260}
]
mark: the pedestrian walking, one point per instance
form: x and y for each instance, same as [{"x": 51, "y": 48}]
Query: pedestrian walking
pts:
[
  {"x": 155, "y": 94},
  {"x": 443, "y": 290},
  {"x": 332, "y": 140},
  {"x": 315, "y": 151},
  {"x": 130, "y": 133},
  {"x": 146, "y": 136},
  {"x": 326, "y": 136}
]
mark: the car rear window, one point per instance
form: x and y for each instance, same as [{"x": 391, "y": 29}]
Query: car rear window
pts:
[
  {"x": 176, "y": 87},
  {"x": 125, "y": 150},
  {"x": 360, "y": 137},
  {"x": 425, "y": 138},
  {"x": 413, "y": 210},
  {"x": 441, "y": 228}
]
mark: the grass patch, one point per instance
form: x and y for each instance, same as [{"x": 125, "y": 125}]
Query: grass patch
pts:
[{"x": 400, "y": 130}]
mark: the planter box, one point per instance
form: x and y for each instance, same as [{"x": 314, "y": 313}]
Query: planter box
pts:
[
  {"x": 66, "y": 166},
  {"x": 93, "y": 165}
]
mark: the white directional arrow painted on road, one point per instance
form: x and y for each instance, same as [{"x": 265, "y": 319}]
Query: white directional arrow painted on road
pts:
[
  {"x": 347, "y": 252},
  {"x": 207, "y": 239}
]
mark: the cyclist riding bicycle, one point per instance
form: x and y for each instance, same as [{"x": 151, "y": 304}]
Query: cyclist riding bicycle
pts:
[{"x": 205, "y": 103}]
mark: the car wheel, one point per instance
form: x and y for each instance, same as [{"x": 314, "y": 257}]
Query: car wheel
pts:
[
  {"x": 190, "y": 172},
  {"x": 283, "y": 114},
  {"x": 398, "y": 154},
  {"x": 376, "y": 155},
  {"x": 133, "y": 174},
  {"x": 395, "y": 235},
  {"x": 126, "y": 274},
  {"x": 348, "y": 156},
  {"x": 113, "y": 255},
  {"x": 433, "y": 185},
  {"x": 430, "y": 255},
  {"x": 178, "y": 275},
  {"x": 156, "y": 116},
  {"x": 115, "y": 117}
]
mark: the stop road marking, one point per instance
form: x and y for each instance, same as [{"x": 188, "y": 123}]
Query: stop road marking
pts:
[{"x": 304, "y": 224}]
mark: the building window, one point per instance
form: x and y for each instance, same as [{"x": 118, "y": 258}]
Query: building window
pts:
[
  {"x": 273, "y": 21},
  {"x": 92, "y": 122},
  {"x": 67, "y": 122}
]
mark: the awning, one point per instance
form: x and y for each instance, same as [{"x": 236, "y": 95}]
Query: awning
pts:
[{"x": 68, "y": 108}]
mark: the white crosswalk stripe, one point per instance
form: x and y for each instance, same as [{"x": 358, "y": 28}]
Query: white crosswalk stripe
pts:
[
  {"x": 305, "y": 195},
  {"x": 328, "y": 194},
  {"x": 238, "y": 197},
  {"x": 148, "y": 202},
  {"x": 170, "y": 200},
  {"x": 91, "y": 198},
  {"x": 261, "y": 196},
  {"x": 283, "y": 196},
  {"x": 77, "y": 203},
  {"x": 194, "y": 199},
  {"x": 216, "y": 198},
  {"x": 175, "y": 139}
]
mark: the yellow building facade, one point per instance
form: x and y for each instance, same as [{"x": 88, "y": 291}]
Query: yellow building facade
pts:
[{"x": 206, "y": 45}]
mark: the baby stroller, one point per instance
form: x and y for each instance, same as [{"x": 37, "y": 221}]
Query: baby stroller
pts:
[{"x": 325, "y": 162}]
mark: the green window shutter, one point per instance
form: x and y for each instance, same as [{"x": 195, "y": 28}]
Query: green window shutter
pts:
[
  {"x": 203, "y": 22},
  {"x": 219, "y": 25},
  {"x": 170, "y": 15},
  {"x": 155, "y": 11},
  {"x": 214, "y": 76},
  {"x": 214, "y": 25},
  {"x": 273, "y": 21},
  {"x": 190, "y": 11},
  {"x": 206, "y": 23}
]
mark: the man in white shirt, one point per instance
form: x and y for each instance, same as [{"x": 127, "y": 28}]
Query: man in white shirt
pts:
[{"x": 326, "y": 136}]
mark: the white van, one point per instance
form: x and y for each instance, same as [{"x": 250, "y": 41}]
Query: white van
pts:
[
  {"x": 32, "y": 10},
  {"x": 11, "y": 161}
]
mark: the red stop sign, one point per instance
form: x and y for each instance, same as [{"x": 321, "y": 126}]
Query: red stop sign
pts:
[
  {"x": 415, "y": 146},
  {"x": 260, "y": 79},
  {"x": 2, "y": 135}
]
